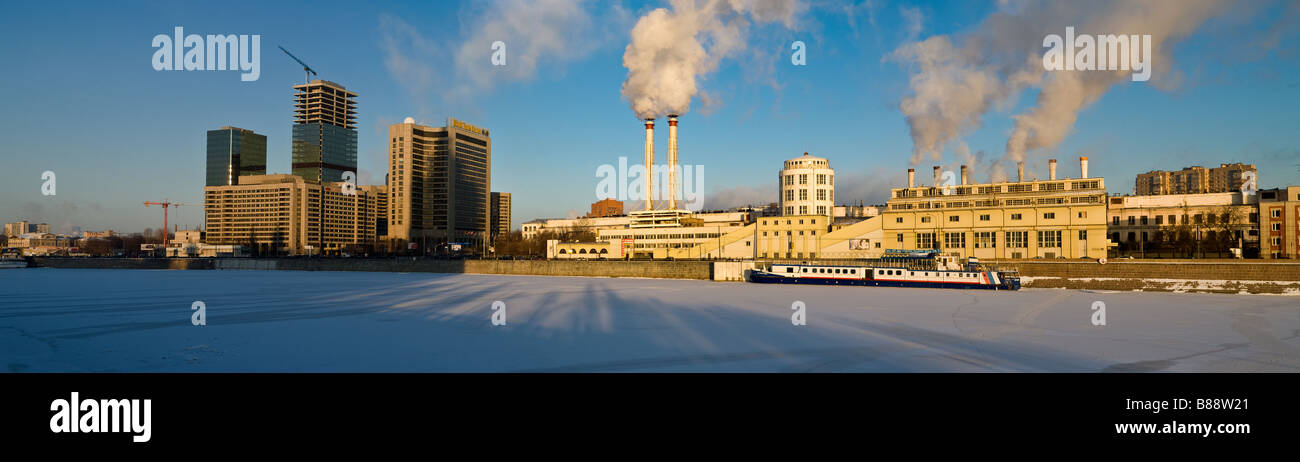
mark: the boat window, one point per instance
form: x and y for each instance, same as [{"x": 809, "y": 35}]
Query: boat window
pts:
[
  {"x": 789, "y": 269},
  {"x": 805, "y": 270}
]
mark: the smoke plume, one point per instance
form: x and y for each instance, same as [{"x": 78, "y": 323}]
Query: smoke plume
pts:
[
  {"x": 671, "y": 50},
  {"x": 954, "y": 86}
]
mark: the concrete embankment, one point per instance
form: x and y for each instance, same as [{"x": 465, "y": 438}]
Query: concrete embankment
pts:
[
  {"x": 642, "y": 269},
  {"x": 1163, "y": 275}
]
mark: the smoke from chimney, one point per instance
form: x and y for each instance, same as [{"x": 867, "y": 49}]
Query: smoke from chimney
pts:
[
  {"x": 1020, "y": 171},
  {"x": 936, "y": 176}
]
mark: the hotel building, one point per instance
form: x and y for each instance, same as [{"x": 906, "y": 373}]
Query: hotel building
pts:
[
  {"x": 286, "y": 214},
  {"x": 232, "y": 153},
  {"x": 439, "y": 183}
]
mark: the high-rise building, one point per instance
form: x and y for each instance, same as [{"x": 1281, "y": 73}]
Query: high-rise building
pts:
[
  {"x": 324, "y": 131},
  {"x": 1231, "y": 177},
  {"x": 26, "y": 227},
  {"x": 275, "y": 214},
  {"x": 1194, "y": 180},
  {"x": 807, "y": 185},
  {"x": 500, "y": 214},
  {"x": 439, "y": 183},
  {"x": 232, "y": 153}
]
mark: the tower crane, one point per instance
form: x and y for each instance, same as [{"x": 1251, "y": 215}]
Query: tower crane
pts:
[
  {"x": 306, "y": 69},
  {"x": 165, "y": 204}
]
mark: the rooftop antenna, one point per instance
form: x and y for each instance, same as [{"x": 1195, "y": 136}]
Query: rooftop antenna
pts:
[{"x": 307, "y": 69}]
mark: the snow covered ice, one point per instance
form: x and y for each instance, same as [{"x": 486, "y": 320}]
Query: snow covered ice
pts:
[{"x": 72, "y": 320}]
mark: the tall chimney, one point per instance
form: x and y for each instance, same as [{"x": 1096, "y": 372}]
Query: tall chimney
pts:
[
  {"x": 911, "y": 178},
  {"x": 963, "y": 175},
  {"x": 1051, "y": 169},
  {"x": 936, "y": 176},
  {"x": 1020, "y": 171},
  {"x": 649, "y": 163},
  {"x": 672, "y": 161},
  {"x": 1083, "y": 167}
]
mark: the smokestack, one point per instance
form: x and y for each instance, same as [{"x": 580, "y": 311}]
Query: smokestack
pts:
[
  {"x": 936, "y": 176},
  {"x": 911, "y": 178},
  {"x": 1020, "y": 171},
  {"x": 649, "y": 163},
  {"x": 963, "y": 175},
  {"x": 672, "y": 161},
  {"x": 1083, "y": 167},
  {"x": 1051, "y": 169}
]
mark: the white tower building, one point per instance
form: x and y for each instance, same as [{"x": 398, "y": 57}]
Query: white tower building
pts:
[{"x": 807, "y": 186}]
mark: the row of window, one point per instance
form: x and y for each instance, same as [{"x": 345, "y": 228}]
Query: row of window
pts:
[
  {"x": 988, "y": 240},
  {"x": 1199, "y": 218}
]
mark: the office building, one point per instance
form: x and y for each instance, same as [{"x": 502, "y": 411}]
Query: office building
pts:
[
  {"x": 286, "y": 214},
  {"x": 500, "y": 214},
  {"x": 439, "y": 184},
  {"x": 234, "y": 152},
  {"x": 324, "y": 131},
  {"x": 26, "y": 227}
]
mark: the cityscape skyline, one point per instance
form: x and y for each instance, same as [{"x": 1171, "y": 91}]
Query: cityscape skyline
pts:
[{"x": 752, "y": 124}]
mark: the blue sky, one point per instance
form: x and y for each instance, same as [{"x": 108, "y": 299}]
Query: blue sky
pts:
[{"x": 83, "y": 101}]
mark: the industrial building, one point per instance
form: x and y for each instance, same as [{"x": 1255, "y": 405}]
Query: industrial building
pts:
[
  {"x": 807, "y": 186},
  {"x": 439, "y": 181},
  {"x": 234, "y": 152},
  {"x": 324, "y": 131},
  {"x": 286, "y": 214}
]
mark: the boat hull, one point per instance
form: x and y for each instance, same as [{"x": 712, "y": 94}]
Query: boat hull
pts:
[{"x": 770, "y": 278}]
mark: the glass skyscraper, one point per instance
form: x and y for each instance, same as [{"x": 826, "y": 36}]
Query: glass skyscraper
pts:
[
  {"x": 233, "y": 152},
  {"x": 324, "y": 131}
]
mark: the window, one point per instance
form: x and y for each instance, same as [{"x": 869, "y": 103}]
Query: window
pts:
[
  {"x": 954, "y": 240},
  {"x": 925, "y": 219},
  {"x": 1049, "y": 216},
  {"x": 1015, "y": 216},
  {"x": 1017, "y": 239},
  {"x": 900, "y": 239},
  {"x": 925, "y": 240},
  {"x": 1199, "y": 218},
  {"x": 821, "y": 209},
  {"x": 1114, "y": 221},
  {"x": 1160, "y": 219},
  {"x": 954, "y": 218},
  {"x": 1144, "y": 220},
  {"x": 789, "y": 194},
  {"x": 898, "y": 219},
  {"x": 803, "y": 209},
  {"x": 1083, "y": 214},
  {"x": 803, "y": 194},
  {"x": 1277, "y": 227},
  {"x": 789, "y": 180},
  {"x": 1275, "y": 213},
  {"x": 1049, "y": 238},
  {"x": 986, "y": 240},
  {"x": 821, "y": 179},
  {"x": 1131, "y": 221},
  {"x": 1083, "y": 235},
  {"x": 821, "y": 194},
  {"x": 985, "y": 217},
  {"x": 803, "y": 179}
]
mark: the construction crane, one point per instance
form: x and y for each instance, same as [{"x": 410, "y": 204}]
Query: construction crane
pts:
[
  {"x": 165, "y": 204},
  {"x": 307, "y": 69}
]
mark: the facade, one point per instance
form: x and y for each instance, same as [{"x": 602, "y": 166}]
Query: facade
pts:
[
  {"x": 26, "y": 227},
  {"x": 1185, "y": 223},
  {"x": 791, "y": 236},
  {"x": 232, "y": 153},
  {"x": 286, "y": 214},
  {"x": 324, "y": 131},
  {"x": 1194, "y": 180},
  {"x": 1022, "y": 219},
  {"x": 605, "y": 208},
  {"x": 807, "y": 186},
  {"x": 1279, "y": 211},
  {"x": 535, "y": 228},
  {"x": 500, "y": 214},
  {"x": 439, "y": 183},
  {"x": 99, "y": 235}
]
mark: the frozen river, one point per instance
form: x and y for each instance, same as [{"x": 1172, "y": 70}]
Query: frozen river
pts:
[{"x": 71, "y": 320}]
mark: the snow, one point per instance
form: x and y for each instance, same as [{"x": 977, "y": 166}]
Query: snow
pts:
[{"x": 285, "y": 321}]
